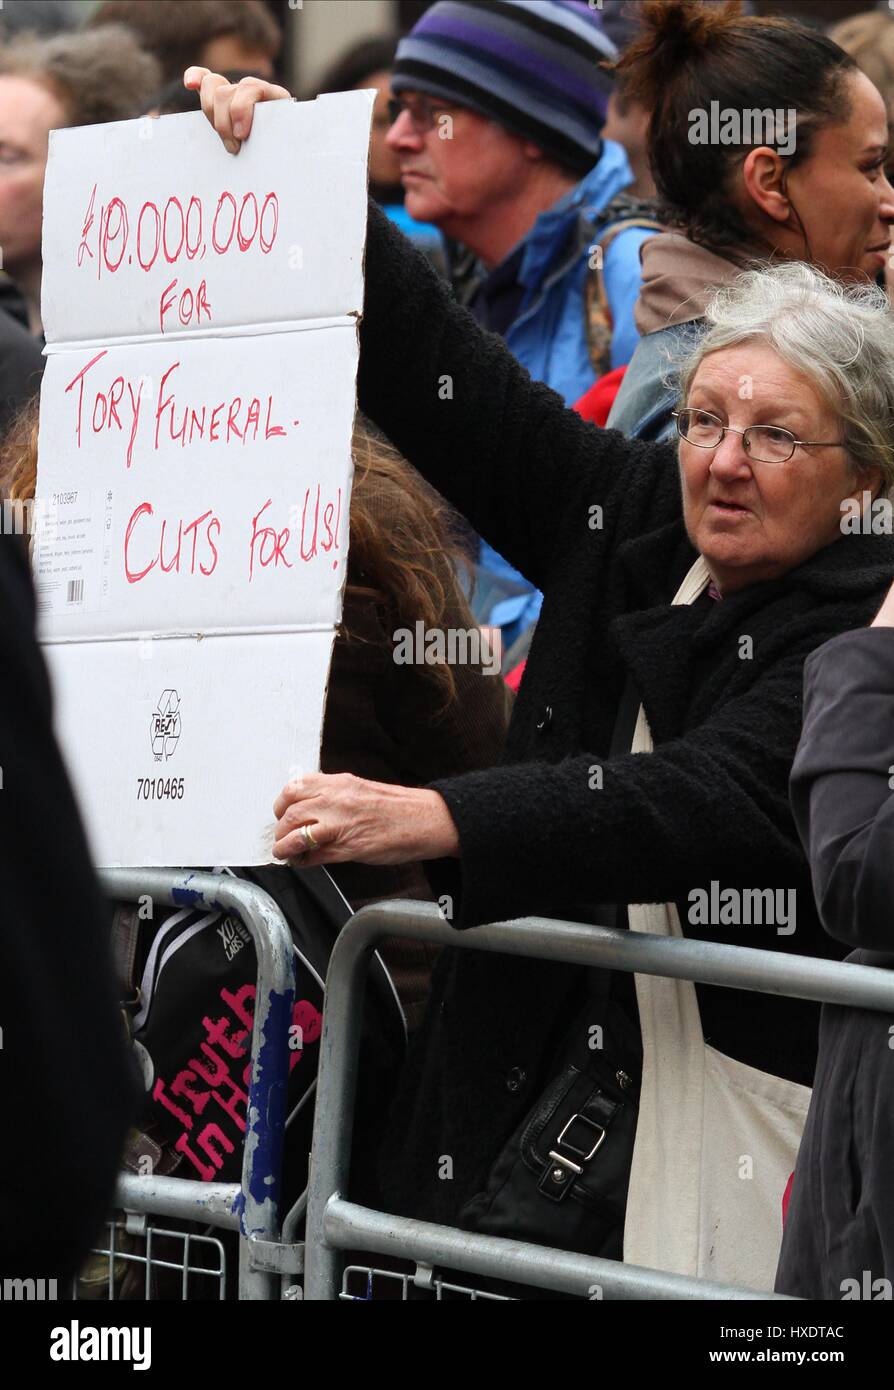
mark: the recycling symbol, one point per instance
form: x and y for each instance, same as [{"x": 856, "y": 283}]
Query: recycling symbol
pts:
[{"x": 165, "y": 725}]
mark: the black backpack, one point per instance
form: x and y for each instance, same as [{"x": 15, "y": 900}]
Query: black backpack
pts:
[{"x": 190, "y": 1018}]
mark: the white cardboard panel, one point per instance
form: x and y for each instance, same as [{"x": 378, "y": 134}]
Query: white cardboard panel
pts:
[
  {"x": 188, "y": 693},
  {"x": 270, "y": 552},
  {"x": 311, "y": 156},
  {"x": 233, "y": 717}
]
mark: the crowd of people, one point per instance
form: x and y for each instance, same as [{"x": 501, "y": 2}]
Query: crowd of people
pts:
[{"x": 671, "y": 358}]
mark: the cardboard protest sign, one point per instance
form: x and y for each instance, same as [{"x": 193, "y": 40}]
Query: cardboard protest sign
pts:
[{"x": 193, "y": 492}]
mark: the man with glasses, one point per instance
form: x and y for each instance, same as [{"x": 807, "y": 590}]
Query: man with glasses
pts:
[{"x": 497, "y": 118}]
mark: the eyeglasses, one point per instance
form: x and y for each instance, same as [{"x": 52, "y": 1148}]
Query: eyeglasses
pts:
[
  {"x": 423, "y": 113},
  {"x": 762, "y": 443}
]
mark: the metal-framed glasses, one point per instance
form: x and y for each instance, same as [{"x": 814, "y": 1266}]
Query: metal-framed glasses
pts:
[
  {"x": 423, "y": 113},
  {"x": 762, "y": 443}
]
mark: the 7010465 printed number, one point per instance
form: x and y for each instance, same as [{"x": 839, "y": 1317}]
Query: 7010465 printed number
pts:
[{"x": 159, "y": 789}]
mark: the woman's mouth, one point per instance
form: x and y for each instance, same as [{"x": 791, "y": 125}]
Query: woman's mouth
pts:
[{"x": 731, "y": 510}]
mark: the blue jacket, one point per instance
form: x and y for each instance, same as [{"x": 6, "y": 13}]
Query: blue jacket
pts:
[
  {"x": 548, "y": 335},
  {"x": 549, "y": 338}
]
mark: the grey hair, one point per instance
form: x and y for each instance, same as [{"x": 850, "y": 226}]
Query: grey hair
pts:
[{"x": 840, "y": 337}]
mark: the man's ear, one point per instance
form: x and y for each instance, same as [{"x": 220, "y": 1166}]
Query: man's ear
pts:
[{"x": 763, "y": 174}]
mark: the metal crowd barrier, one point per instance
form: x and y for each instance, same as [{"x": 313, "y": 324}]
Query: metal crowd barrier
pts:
[
  {"x": 271, "y": 1258},
  {"x": 251, "y": 1207},
  {"x": 335, "y": 1225}
]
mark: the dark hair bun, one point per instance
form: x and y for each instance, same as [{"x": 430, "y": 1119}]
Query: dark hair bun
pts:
[{"x": 671, "y": 32}]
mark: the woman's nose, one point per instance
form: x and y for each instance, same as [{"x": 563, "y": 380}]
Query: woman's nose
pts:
[
  {"x": 730, "y": 458},
  {"x": 886, "y": 200}
]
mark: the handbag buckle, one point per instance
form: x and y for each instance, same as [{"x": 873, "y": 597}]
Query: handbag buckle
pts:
[
  {"x": 584, "y": 1157},
  {"x": 560, "y": 1170}
]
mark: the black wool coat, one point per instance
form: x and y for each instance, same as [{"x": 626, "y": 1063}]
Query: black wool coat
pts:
[{"x": 595, "y": 520}]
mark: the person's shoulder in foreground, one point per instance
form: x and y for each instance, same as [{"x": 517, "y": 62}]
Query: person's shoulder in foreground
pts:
[
  {"x": 841, "y": 781},
  {"x": 65, "y": 1081}
]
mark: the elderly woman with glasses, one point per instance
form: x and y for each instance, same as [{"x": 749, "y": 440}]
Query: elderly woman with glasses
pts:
[
  {"x": 644, "y": 777},
  {"x": 687, "y": 590}
]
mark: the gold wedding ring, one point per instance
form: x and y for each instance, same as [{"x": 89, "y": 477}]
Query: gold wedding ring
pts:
[{"x": 309, "y": 841}]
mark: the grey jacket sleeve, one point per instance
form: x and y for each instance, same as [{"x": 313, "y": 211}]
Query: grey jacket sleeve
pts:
[{"x": 841, "y": 785}]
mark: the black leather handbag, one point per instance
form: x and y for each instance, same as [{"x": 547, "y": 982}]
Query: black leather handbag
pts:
[{"x": 562, "y": 1178}]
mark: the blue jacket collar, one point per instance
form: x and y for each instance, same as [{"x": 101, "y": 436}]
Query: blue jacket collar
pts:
[{"x": 550, "y": 234}]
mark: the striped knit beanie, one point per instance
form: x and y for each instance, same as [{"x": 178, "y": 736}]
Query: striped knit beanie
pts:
[{"x": 530, "y": 65}]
